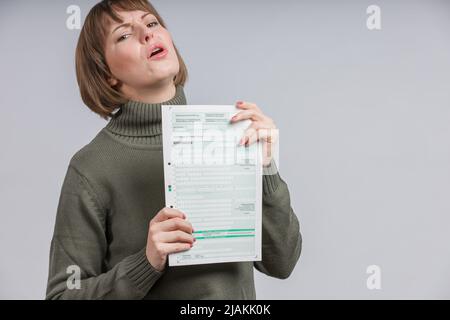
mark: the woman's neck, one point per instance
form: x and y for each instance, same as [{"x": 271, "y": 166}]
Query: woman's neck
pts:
[
  {"x": 154, "y": 94},
  {"x": 136, "y": 120}
]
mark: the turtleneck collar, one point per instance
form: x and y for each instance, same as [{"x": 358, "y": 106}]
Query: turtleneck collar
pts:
[{"x": 140, "y": 119}]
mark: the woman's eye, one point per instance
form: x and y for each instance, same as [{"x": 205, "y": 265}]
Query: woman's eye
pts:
[
  {"x": 122, "y": 37},
  {"x": 152, "y": 23}
]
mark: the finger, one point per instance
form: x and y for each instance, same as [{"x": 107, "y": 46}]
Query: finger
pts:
[
  {"x": 175, "y": 236},
  {"x": 247, "y": 114},
  {"x": 168, "y": 213},
  {"x": 175, "y": 224},
  {"x": 168, "y": 248},
  {"x": 251, "y": 130},
  {"x": 269, "y": 135},
  {"x": 252, "y": 138},
  {"x": 256, "y": 125},
  {"x": 247, "y": 106},
  {"x": 259, "y": 131},
  {"x": 267, "y": 153}
]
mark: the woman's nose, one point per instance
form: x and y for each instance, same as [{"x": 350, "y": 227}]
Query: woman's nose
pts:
[{"x": 146, "y": 35}]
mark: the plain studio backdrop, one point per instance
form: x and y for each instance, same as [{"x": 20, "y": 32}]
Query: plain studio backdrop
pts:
[{"x": 364, "y": 118}]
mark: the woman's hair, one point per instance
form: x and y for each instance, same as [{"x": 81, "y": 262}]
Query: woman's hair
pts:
[{"x": 90, "y": 63}]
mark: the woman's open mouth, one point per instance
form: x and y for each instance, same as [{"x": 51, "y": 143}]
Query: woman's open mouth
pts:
[{"x": 157, "y": 52}]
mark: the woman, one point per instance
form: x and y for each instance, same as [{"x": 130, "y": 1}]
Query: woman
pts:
[{"x": 111, "y": 223}]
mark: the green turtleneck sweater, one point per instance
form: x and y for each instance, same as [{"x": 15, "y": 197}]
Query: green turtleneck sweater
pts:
[{"x": 112, "y": 189}]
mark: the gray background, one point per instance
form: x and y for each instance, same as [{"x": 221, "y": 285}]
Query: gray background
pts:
[{"x": 364, "y": 120}]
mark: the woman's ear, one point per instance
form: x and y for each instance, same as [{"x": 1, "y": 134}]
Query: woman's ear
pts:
[{"x": 112, "y": 82}]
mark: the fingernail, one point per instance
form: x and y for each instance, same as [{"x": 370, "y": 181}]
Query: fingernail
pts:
[{"x": 239, "y": 102}]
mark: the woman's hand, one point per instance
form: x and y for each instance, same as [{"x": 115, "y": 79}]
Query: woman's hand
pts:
[
  {"x": 262, "y": 129},
  {"x": 168, "y": 232}
]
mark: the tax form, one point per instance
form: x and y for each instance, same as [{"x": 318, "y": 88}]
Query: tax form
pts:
[{"x": 216, "y": 182}]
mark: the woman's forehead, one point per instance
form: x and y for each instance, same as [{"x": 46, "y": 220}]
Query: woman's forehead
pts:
[{"x": 123, "y": 16}]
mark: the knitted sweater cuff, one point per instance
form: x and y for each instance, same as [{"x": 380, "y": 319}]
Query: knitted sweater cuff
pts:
[
  {"x": 141, "y": 272},
  {"x": 271, "y": 178}
]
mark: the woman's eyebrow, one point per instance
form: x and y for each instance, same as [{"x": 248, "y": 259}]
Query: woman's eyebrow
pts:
[{"x": 128, "y": 24}]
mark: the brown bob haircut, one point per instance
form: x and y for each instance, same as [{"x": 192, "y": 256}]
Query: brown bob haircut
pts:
[{"x": 90, "y": 63}]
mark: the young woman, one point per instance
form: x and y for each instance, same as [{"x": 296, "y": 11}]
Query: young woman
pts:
[{"x": 112, "y": 230}]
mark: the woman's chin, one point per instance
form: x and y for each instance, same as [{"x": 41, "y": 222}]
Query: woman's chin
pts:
[{"x": 164, "y": 76}]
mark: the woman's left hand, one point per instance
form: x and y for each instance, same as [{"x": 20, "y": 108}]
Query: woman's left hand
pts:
[{"x": 262, "y": 129}]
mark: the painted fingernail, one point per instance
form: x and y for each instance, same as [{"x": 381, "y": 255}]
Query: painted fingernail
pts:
[{"x": 239, "y": 103}]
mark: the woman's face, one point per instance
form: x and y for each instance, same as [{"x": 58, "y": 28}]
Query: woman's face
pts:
[{"x": 128, "y": 51}]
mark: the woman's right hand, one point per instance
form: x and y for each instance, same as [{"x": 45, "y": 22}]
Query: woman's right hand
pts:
[{"x": 168, "y": 232}]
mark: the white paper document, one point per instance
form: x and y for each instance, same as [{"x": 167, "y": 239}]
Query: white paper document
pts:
[{"x": 215, "y": 181}]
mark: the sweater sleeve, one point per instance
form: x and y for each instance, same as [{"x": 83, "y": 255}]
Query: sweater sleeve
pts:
[
  {"x": 79, "y": 243},
  {"x": 281, "y": 237}
]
